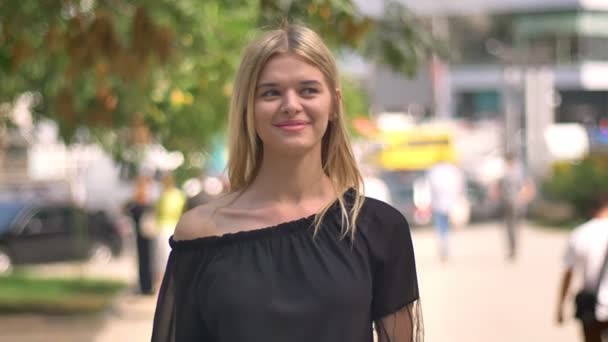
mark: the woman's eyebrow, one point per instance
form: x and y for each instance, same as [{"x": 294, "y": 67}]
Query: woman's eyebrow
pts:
[
  {"x": 311, "y": 82},
  {"x": 273, "y": 84},
  {"x": 267, "y": 85}
]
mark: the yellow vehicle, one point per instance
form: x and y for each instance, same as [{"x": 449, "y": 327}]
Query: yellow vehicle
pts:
[{"x": 415, "y": 149}]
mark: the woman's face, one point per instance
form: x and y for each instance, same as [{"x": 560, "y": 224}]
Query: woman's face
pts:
[{"x": 292, "y": 105}]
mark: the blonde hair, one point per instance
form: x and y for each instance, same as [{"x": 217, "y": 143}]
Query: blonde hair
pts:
[{"x": 245, "y": 148}]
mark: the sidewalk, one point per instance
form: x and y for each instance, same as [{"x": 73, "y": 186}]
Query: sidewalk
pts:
[
  {"x": 43, "y": 328},
  {"x": 130, "y": 319},
  {"x": 479, "y": 296}
]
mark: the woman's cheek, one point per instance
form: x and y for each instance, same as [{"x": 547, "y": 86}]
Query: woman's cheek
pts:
[{"x": 264, "y": 109}]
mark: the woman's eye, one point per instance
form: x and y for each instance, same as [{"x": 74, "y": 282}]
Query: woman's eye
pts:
[
  {"x": 309, "y": 91},
  {"x": 270, "y": 93}
]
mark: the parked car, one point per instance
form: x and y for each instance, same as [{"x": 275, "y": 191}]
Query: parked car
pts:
[{"x": 34, "y": 233}]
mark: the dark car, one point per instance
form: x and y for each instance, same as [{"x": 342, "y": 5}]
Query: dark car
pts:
[{"x": 33, "y": 233}]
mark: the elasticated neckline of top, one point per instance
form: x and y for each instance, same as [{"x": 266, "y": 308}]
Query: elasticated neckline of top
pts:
[{"x": 280, "y": 229}]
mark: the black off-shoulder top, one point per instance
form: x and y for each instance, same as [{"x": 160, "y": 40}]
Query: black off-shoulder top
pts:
[{"x": 282, "y": 284}]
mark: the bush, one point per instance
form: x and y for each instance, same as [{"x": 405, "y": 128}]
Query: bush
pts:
[{"x": 582, "y": 184}]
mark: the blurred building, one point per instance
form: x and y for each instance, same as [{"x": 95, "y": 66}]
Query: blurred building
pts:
[
  {"x": 486, "y": 36},
  {"x": 36, "y": 164},
  {"x": 13, "y": 155},
  {"x": 524, "y": 63}
]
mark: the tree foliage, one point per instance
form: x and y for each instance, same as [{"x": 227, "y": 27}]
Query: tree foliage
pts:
[
  {"x": 135, "y": 70},
  {"x": 583, "y": 184}
]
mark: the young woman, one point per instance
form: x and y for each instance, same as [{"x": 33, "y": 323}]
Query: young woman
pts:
[{"x": 294, "y": 252}]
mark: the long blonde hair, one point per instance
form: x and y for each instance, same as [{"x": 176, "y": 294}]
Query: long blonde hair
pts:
[{"x": 245, "y": 148}]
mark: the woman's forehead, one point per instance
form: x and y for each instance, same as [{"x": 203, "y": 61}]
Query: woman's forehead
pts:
[{"x": 289, "y": 67}]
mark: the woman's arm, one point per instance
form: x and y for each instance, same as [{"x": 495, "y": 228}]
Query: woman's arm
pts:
[{"x": 404, "y": 325}]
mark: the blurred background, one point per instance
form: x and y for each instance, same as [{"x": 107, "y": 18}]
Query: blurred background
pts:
[{"x": 96, "y": 93}]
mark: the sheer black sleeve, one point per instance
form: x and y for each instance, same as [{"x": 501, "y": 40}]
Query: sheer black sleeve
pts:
[
  {"x": 177, "y": 316},
  {"x": 396, "y": 307}
]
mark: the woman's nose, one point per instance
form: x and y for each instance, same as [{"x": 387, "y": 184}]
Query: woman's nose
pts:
[{"x": 291, "y": 103}]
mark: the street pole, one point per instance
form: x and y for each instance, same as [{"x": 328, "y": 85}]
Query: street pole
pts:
[
  {"x": 511, "y": 94},
  {"x": 528, "y": 102},
  {"x": 439, "y": 70},
  {"x": 540, "y": 114}
]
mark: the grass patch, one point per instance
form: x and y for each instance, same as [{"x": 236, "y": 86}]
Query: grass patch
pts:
[{"x": 21, "y": 293}]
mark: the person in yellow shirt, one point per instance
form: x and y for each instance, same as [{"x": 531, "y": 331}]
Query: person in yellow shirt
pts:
[{"x": 169, "y": 208}]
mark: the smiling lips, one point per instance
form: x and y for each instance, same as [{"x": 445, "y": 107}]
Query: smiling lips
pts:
[{"x": 292, "y": 125}]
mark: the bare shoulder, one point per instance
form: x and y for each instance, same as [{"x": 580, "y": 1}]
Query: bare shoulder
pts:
[{"x": 200, "y": 222}]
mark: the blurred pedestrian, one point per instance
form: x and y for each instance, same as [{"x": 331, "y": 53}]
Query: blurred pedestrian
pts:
[
  {"x": 587, "y": 255},
  {"x": 294, "y": 252},
  {"x": 517, "y": 190},
  {"x": 447, "y": 186},
  {"x": 169, "y": 208},
  {"x": 137, "y": 208}
]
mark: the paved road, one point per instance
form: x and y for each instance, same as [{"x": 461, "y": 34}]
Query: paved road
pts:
[
  {"x": 476, "y": 296},
  {"x": 479, "y": 296}
]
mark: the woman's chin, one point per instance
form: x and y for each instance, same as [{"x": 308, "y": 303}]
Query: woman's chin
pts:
[{"x": 292, "y": 147}]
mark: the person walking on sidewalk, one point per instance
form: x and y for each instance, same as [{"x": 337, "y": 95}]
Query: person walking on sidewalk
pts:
[
  {"x": 294, "y": 252},
  {"x": 137, "y": 208},
  {"x": 447, "y": 185},
  {"x": 587, "y": 254},
  {"x": 517, "y": 190}
]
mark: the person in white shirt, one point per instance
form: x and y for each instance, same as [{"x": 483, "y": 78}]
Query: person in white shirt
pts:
[
  {"x": 446, "y": 182},
  {"x": 585, "y": 255},
  {"x": 517, "y": 190}
]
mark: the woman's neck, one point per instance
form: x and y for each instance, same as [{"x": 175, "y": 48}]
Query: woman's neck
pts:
[{"x": 291, "y": 179}]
